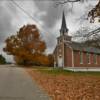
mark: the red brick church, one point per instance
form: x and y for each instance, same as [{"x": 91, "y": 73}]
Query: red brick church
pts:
[{"x": 74, "y": 55}]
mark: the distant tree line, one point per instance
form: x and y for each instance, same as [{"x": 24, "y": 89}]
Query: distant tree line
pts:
[{"x": 2, "y": 60}]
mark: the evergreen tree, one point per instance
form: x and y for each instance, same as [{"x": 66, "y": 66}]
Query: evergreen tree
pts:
[{"x": 2, "y": 60}]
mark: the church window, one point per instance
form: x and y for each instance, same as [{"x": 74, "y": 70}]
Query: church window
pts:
[
  {"x": 88, "y": 58},
  {"x": 95, "y": 58},
  {"x": 81, "y": 57}
]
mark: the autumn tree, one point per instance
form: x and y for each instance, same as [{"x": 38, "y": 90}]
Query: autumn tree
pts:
[
  {"x": 26, "y": 46},
  {"x": 95, "y": 13}
]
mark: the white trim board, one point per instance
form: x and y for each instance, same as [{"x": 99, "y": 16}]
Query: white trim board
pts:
[{"x": 83, "y": 69}]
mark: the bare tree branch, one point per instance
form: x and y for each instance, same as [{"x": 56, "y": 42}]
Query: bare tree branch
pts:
[
  {"x": 91, "y": 38},
  {"x": 67, "y": 1}
]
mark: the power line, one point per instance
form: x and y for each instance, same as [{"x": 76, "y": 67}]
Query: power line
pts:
[
  {"x": 24, "y": 11},
  {"x": 33, "y": 18}
]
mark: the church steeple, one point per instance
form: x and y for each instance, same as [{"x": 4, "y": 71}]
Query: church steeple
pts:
[{"x": 64, "y": 28}]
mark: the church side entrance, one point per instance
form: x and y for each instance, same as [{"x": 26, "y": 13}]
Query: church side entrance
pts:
[{"x": 60, "y": 62}]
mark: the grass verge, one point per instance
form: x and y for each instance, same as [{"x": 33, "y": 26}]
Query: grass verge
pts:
[{"x": 57, "y": 71}]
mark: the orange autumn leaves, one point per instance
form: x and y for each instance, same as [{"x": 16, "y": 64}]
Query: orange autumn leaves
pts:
[
  {"x": 95, "y": 13},
  {"x": 27, "y": 47}
]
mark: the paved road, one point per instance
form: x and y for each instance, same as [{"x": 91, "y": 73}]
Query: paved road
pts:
[{"x": 16, "y": 84}]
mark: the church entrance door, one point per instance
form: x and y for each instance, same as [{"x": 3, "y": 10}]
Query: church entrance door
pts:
[{"x": 60, "y": 62}]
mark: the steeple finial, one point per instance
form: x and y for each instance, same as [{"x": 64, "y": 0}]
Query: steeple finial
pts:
[{"x": 64, "y": 28}]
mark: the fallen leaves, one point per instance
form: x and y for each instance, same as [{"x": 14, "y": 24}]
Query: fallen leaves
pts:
[{"x": 68, "y": 87}]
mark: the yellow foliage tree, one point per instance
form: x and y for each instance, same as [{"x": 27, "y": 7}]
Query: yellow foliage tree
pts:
[{"x": 27, "y": 47}]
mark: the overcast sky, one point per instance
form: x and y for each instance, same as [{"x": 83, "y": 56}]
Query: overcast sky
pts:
[{"x": 45, "y": 15}]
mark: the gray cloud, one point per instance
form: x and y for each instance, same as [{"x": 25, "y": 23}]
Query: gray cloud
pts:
[
  {"x": 6, "y": 27},
  {"x": 5, "y": 20},
  {"x": 52, "y": 13}
]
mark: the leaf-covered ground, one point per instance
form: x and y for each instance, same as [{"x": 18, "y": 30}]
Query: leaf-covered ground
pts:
[{"x": 63, "y": 85}]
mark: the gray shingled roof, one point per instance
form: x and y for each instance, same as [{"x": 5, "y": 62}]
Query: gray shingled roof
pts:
[{"x": 84, "y": 47}]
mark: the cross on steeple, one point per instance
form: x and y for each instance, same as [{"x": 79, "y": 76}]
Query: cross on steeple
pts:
[{"x": 64, "y": 28}]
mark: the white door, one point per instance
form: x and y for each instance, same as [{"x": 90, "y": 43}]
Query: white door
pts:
[{"x": 60, "y": 62}]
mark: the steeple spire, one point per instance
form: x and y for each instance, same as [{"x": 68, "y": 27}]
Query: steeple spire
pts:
[{"x": 64, "y": 28}]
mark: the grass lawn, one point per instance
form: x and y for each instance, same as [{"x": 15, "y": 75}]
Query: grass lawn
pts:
[
  {"x": 67, "y": 85},
  {"x": 57, "y": 71}
]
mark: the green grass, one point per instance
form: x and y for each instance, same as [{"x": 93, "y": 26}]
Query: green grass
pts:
[{"x": 58, "y": 71}]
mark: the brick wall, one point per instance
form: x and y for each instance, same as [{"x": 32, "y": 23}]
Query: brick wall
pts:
[
  {"x": 85, "y": 62},
  {"x": 76, "y": 54},
  {"x": 68, "y": 57}
]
